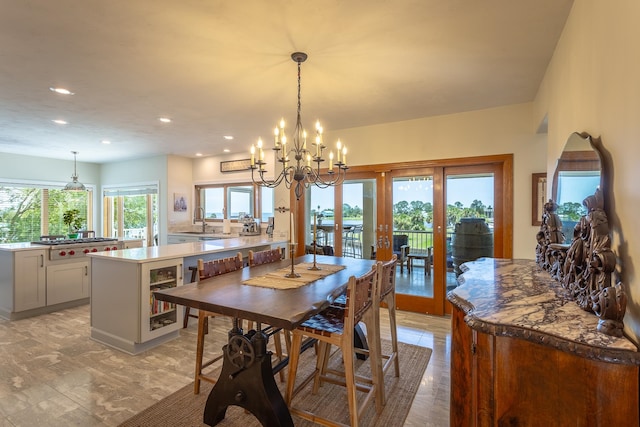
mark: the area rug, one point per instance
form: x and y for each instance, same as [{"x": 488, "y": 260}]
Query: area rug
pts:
[{"x": 183, "y": 408}]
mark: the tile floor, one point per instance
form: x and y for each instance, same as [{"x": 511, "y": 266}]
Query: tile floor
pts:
[{"x": 53, "y": 374}]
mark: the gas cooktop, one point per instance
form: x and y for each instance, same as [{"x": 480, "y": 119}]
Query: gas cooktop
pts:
[{"x": 89, "y": 240}]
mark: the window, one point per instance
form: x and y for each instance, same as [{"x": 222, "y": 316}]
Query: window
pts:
[
  {"x": 233, "y": 199},
  {"x": 131, "y": 212},
  {"x": 30, "y": 210}
]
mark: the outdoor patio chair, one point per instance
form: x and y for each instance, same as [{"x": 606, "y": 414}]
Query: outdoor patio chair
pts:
[{"x": 401, "y": 249}]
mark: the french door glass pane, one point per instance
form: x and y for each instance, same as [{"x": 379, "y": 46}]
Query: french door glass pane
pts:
[
  {"x": 359, "y": 218},
  {"x": 469, "y": 219},
  {"x": 321, "y": 203},
  {"x": 413, "y": 224}
]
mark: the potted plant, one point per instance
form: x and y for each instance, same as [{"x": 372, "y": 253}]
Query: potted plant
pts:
[{"x": 73, "y": 221}]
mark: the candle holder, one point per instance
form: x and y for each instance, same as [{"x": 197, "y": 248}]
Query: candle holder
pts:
[
  {"x": 292, "y": 251},
  {"x": 314, "y": 267}
]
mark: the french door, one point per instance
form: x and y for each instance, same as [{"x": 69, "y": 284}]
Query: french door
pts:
[
  {"x": 451, "y": 215},
  {"x": 434, "y": 215}
]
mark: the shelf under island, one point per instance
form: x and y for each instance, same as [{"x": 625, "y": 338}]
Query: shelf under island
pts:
[
  {"x": 124, "y": 313},
  {"x": 523, "y": 353}
]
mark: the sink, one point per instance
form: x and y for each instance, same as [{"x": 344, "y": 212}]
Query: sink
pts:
[{"x": 192, "y": 232}]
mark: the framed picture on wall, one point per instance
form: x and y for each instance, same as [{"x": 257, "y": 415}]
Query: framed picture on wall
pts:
[
  {"x": 179, "y": 202},
  {"x": 235, "y": 165},
  {"x": 538, "y": 197}
]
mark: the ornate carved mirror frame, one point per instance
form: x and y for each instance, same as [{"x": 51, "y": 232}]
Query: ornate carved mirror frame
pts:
[{"x": 585, "y": 263}]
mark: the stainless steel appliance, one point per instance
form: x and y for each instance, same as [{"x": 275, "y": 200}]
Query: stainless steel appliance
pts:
[
  {"x": 250, "y": 227},
  {"x": 69, "y": 249}
]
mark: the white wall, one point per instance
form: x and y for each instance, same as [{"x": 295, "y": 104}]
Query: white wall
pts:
[
  {"x": 180, "y": 181},
  {"x": 593, "y": 84}
]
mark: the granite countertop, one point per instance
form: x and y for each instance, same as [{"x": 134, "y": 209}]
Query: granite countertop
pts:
[
  {"x": 516, "y": 298},
  {"x": 182, "y": 250}
]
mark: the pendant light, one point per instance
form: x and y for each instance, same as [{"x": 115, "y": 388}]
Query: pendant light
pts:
[{"x": 74, "y": 185}]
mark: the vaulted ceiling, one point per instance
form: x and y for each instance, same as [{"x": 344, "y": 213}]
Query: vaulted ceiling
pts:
[{"x": 221, "y": 68}]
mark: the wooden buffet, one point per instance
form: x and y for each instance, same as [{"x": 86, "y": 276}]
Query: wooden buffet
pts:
[{"x": 524, "y": 354}]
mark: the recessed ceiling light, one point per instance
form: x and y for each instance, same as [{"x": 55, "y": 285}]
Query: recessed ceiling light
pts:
[
  {"x": 198, "y": 154},
  {"x": 228, "y": 137},
  {"x": 226, "y": 150},
  {"x": 165, "y": 119},
  {"x": 59, "y": 122},
  {"x": 61, "y": 90},
  {"x": 106, "y": 142}
]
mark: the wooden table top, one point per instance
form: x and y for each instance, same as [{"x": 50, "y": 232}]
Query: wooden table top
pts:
[{"x": 286, "y": 308}]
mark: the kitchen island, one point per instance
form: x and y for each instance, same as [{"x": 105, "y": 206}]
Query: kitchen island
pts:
[
  {"x": 47, "y": 276},
  {"x": 124, "y": 313}
]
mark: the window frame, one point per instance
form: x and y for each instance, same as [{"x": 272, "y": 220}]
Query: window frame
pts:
[{"x": 256, "y": 200}]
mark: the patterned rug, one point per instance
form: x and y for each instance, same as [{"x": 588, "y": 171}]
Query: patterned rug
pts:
[{"x": 183, "y": 408}]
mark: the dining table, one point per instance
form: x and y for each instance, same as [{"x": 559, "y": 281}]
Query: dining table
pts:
[{"x": 265, "y": 295}]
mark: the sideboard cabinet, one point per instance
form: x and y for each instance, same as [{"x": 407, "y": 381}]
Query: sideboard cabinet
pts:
[{"x": 524, "y": 354}]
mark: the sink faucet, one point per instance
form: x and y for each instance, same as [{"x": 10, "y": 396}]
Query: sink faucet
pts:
[{"x": 204, "y": 223}]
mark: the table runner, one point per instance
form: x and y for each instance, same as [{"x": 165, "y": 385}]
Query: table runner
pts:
[{"x": 277, "y": 279}]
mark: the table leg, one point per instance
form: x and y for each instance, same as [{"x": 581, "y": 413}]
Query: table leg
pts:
[{"x": 247, "y": 381}]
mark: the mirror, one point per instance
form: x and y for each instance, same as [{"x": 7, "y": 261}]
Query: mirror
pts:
[
  {"x": 577, "y": 176},
  {"x": 574, "y": 241}
]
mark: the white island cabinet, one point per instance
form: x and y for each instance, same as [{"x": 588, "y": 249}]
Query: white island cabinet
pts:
[
  {"x": 22, "y": 281},
  {"x": 124, "y": 313}
]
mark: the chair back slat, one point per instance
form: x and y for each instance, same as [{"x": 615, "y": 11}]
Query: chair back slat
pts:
[
  {"x": 220, "y": 266},
  {"x": 387, "y": 277},
  {"x": 264, "y": 257},
  {"x": 360, "y": 294}
]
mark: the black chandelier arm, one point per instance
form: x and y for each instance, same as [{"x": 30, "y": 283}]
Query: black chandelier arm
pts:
[
  {"x": 261, "y": 181},
  {"x": 315, "y": 178}
]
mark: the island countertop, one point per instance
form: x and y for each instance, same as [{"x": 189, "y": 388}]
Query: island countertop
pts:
[
  {"x": 183, "y": 250},
  {"x": 516, "y": 298}
]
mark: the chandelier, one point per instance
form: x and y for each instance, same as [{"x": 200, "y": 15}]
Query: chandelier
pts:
[{"x": 300, "y": 163}]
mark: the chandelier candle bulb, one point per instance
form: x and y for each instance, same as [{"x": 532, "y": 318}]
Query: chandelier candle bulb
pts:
[
  {"x": 253, "y": 155},
  {"x": 330, "y": 161},
  {"x": 344, "y": 155}
]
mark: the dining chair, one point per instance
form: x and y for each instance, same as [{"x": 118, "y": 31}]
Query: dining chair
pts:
[
  {"x": 335, "y": 326},
  {"x": 207, "y": 269},
  {"x": 386, "y": 296},
  {"x": 265, "y": 257}
]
